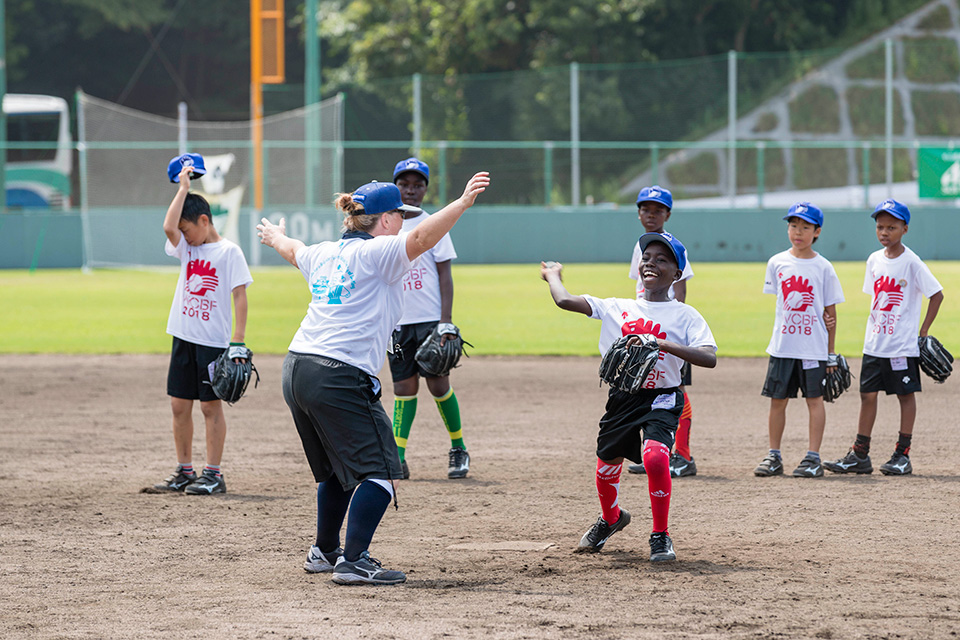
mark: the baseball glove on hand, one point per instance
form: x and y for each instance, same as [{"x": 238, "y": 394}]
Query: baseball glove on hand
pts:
[
  {"x": 626, "y": 368},
  {"x": 837, "y": 381},
  {"x": 230, "y": 379},
  {"x": 437, "y": 360},
  {"x": 935, "y": 360}
]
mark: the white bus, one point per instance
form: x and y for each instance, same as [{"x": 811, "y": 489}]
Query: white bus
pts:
[{"x": 38, "y": 177}]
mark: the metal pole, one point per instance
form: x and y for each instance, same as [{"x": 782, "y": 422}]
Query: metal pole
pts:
[
  {"x": 3, "y": 114},
  {"x": 182, "y": 127},
  {"x": 732, "y": 126},
  {"x": 888, "y": 50},
  {"x": 575, "y": 133},
  {"x": 655, "y": 162},
  {"x": 311, "y": 96},
  {"x": 418, "y": 115},
  {"x": 761, "y": 173},
  {"x": 84, "y": 191},
  {"x": 256, "y": 101},
  {"x": 338, "y": 160},
  {"x": 547, "y": 172},
  {"x": 442, "y": 170},
  {"x": 866, "y": 174}
]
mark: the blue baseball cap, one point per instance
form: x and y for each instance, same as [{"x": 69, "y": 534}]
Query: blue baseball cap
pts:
[
  {"x": 894, "y": 208},
  {"x": 176, "y": 165},
  {"x": 379, "y": 197},
  {"x": 806, "y": 211},
  {"x": 656, "y": 193},
  {"x": 412, "y": 164},
  {"x": 679, "y": 251}
]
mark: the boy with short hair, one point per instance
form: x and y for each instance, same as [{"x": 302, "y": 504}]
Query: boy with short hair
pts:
[
  {"x": 801, "y": 347},
  {"x": 641, "y": 426},
  {"x": 654, "y": 205},
  {"x": 212, "y": 270},
  {"x": 896, "y": 279}
]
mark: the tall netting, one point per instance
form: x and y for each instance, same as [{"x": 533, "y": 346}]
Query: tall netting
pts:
[{"x": 124, "y": 157}]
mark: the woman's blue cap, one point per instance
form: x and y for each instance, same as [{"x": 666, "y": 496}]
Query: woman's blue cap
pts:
[
  {"x": 679, "y": 251},
  {"x": 806, "y": 211},
  {"x": 379, "y": 197},
  {"x": 894, "y": 208},
  {"x": 176, "y": 165}
]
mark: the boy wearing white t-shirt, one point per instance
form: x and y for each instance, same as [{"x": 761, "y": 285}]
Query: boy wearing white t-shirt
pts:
[
  {"x": 212, "y": 271},
  {"x": 428, "y": 305},
  {"x": 897, "y": 280},
  {"x": 642, "y": 426},
  {"x": 801, "y": 347},
  {"x": 654, "y": 205}
]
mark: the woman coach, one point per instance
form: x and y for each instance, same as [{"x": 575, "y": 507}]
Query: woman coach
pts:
[{"x": 329, "y": 375}]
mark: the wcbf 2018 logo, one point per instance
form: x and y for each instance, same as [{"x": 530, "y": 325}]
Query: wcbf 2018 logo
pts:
[
  {"x": 797, "y": 293},
  {"x": 887, "y": 294},
  {"x": 335, "y": 285},
  {"x": 201, "y": 277}
]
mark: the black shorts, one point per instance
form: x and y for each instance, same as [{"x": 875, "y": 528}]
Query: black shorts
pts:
[
  {"x": 188, "y": 377},
  {"x": 877, "y": 374},
  {"x": 409, "y": 337},
  {"x": 686, "y": 379},
  {"x": 627, "y": 415},
  {"x": 786, "y": 375},
  {"x": 341, "y": 422}
]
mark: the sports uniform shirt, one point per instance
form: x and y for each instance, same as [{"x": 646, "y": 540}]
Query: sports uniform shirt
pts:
[
  {"x": 635, "y": 270},
  {"x": 356, "y": 297},
  {"x": 672, "y": 320},
  {"x": 896, "y": 287},
  {"x": 421, "y": 285},
  {"x": 209, "y": 273},
  {"x": 803, "y": 286}
]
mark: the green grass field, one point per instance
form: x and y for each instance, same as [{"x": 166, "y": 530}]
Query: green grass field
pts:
[{"x": 502, "y": 309}]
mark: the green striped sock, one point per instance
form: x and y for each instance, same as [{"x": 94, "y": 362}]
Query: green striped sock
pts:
[
  {"x": 404, "y": 409},
  {"x": 450, "y": 412}
]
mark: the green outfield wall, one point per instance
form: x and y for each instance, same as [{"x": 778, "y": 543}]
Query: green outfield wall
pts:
[{"x": 485, "y": 235}]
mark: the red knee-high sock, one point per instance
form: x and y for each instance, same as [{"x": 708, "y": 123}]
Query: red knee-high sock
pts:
[
  {"x": 608, "y": 488},
  {"x": 683, "y": 431},
  {"x": 656, "y": 460}
]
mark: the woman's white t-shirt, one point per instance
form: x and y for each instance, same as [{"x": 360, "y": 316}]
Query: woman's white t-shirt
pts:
[{"x": 356, "y": 298}]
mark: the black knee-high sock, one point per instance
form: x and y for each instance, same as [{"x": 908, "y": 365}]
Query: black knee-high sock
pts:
[
  {"x": 862, "y": 446},
  {"x": 903, "y": 443},
  {"x": 332, "y": 503},
  {"x": 370, "y": 502}
]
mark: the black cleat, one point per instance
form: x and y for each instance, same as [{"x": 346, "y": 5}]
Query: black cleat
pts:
[
  {"x": 808, "y": 468},
  {"x": 177, "y": 481},
  {"x": 771, "y": 466},
  {"x": 636, "y": 468},
  {"x": 597, "y": 535},
  {"x": 405, "y": 469},
  {"x": 365, "y": 570},
  {"x": 207, "y": 484},
  {"x": 897, "y": 465},
  {"x": 661, "y": 547},
  {"x": 850, "y": 463},
  {"x": 680, "y": 467},
  {"x": 459, "y": 463}
]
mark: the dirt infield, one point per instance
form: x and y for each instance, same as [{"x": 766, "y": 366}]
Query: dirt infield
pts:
[{"x": 85, "y": 555}]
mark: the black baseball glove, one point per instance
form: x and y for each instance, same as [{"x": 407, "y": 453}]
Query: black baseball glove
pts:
[
  {"x": 935, "y": 360},
  {"x": 837, "y": 381},
  {"x": 626, "y": 368},
  {"x": 436, "y": 359},
  {"x": 230, "y": 379}
]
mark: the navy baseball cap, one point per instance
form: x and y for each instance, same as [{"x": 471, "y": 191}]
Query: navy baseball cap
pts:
[
  {"x": 379, "y": 197},
  {"x": 656, "y": 193},
  {"x": 412, "y": 164},
  {"x": 679, "y": 251},
  {"x": 176, "y": 165},
  {"x": 894, "y": 208},
  {"x": 806, "y": 211}
]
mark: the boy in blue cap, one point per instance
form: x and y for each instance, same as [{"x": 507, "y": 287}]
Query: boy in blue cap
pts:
[
  {"x": 641, "y": 426},
  {"x": 801, "y": 347},
  {"x": 897, "y": 280},
  {"x": 654, "y": 205},
  {"x": 428, "y": 304}
]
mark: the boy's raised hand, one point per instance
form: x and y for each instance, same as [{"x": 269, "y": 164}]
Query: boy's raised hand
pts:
[
  {"x": 549, "y": 267},
  {"x": 185, "y": 177}
]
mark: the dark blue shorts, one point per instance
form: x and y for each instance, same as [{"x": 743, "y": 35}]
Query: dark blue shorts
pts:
[
  {"x": 188, "y": 377},
  {"x": 630, "y": 419}
]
